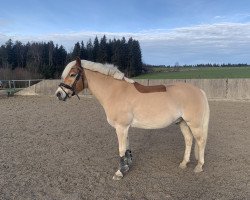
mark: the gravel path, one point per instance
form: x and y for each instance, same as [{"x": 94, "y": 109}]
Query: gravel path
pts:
[{"x": 67, "y": 151}]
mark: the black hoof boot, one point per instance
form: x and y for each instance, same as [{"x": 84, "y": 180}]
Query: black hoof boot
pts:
[
  {"x": 125, "y": 162},
  {"x": 128, "y": 155}
]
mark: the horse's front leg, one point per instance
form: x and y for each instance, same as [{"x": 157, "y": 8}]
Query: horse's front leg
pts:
[{"x": 124, "y": 152}]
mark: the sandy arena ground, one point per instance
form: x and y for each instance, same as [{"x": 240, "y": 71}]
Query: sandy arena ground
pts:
[{"x": 52, "y": 150}]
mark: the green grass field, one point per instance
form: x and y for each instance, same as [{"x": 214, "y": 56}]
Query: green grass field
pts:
[{"x": 198, "y": 73}]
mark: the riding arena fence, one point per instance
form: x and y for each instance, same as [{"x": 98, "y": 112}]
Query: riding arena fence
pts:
[
  {"x": 9, "y": 87},
  {"x": 216, "y": 89}
]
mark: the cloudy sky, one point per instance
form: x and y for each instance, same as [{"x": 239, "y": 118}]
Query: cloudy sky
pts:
[{"x": 169, "y": 31}]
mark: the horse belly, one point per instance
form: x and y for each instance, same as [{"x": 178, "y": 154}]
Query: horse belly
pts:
[
  {"x": 154, "y": 111},
  {"x": 152, "y": 122}
]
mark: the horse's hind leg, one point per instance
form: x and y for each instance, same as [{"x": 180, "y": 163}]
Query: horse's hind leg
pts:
[
  {"x": 124, "y": 152},
  {"x": 200, "y": 136},
  {"x": 188, "y": 143},
  {"x": 200, "y": 131}
]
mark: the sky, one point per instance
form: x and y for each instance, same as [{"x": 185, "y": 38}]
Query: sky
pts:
[{"x": 169, "y": 31}]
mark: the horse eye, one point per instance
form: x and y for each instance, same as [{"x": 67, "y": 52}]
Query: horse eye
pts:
[{"x": 72, "y": 75}]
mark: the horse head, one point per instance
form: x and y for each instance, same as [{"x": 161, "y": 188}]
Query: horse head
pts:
[{"x": 73, "y": 81}]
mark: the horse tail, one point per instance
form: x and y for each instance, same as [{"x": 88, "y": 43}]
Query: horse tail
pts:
[{"x": 205, "y": 122}]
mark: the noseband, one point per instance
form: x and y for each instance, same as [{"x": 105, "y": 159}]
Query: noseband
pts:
[{"x": 79, "y": 75}]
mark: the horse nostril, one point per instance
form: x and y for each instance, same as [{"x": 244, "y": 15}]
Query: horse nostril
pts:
[{"x": 59, "y": 95}]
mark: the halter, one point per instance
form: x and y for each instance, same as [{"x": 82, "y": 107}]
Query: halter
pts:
[{"x": 80, "y": 74}]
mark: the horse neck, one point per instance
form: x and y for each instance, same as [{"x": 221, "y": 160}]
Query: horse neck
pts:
[{"x": 99, "y": 85}]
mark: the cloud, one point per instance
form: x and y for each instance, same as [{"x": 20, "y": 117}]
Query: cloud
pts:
[
  {"x": 214, "y": 43},
  {"x": 236, "y": 18}
]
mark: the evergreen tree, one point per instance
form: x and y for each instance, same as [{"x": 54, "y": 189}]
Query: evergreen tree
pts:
[
  {"x": 120, "y": 55},
  {"x": 95, "y": 49},
  {"x": 60, "y": 55},
  {"x": 124, "y": 56},
  {"x": 76, "y": 51},
  {"x": 51, "y": 47},
  {"x": 115, "y": 59},
  {"x": 35, "y": 56},
  {"x": 46, "y": 63},
  {"x": 136, "y": 59},
  {"x": 49, "y": 60},
  {"x": 9, "y": 52},
  {"x": 19, "y": 55},
  {"x": 89, "y": 50},
  {"x": 109, "y": 51},
  {"x": 83, "y": 54},
  {"x": 103, "y": 51},
  {"x": 3, "y": 57}
]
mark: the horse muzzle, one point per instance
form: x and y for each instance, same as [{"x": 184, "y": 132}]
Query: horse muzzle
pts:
[
  {"x": 62, "y": 95},
  {"x": 59, "y": 96}
]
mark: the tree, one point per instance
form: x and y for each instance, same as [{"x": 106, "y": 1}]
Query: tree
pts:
[
  {"x": 135, "y": 62},
  {"x": 3, "y": 57},
  {"x": 60, "y": 56},
  {"x": 102, "y": 55},
  {"x": 83, "y": 52},
  {"x": 34, "y": 56},
  {"x": 47, "y": 60},
  {"x": 138, "y": 58},
  {"x": 109, "y": 51},
  {"x": 95, "y": 49},
  {"x": 10, "y": 53},
  {"x": 50, "y": 52},
  {"x": 76, "y": 51},
  {"x": 46, "y": 66},
  {"x": 120, "y": 55},
  {"x": 89, "y": 50}
]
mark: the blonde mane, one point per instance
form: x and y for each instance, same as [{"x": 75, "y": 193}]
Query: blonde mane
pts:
[{"x": 106, "y": 69}]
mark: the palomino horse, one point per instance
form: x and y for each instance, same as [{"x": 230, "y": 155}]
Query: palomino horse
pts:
[{"x": 129, "y": 104}]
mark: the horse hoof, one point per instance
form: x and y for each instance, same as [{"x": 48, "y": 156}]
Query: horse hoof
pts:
[
  {"x": 183, "y": 165},
  {"x": 118, "y": 176},
  {"x": 198, "y": 169}
]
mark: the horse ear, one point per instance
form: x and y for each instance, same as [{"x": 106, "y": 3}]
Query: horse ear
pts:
[{"x": 78, "y": 62}]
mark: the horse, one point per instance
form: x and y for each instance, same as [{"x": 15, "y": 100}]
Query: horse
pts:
[{"x": 129, "y": 104}]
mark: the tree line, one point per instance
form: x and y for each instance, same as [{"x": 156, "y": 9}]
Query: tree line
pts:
[
  {"x": 47, "y": 60},
  {"x": 124, "y": 54},
  {"x": 148, "y": 66}
]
